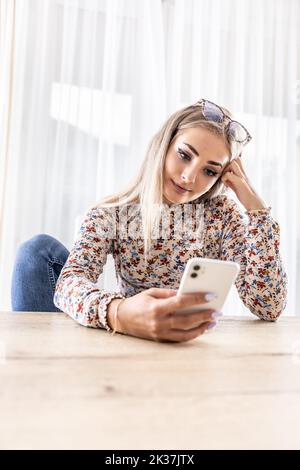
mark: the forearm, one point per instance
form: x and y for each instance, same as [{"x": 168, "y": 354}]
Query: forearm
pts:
[
  {"x": 83, "y": 300},
  {"x": 264, "y": 288},
  {"x": 254, "y": 244}
]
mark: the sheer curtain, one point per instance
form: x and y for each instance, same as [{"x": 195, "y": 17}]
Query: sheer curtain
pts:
[
  {"x": 91, "y": 81},
  {"x": 245, "y": 55}
]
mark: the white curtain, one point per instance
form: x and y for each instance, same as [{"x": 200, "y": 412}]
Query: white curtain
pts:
[{"x": 86, "y": 83}]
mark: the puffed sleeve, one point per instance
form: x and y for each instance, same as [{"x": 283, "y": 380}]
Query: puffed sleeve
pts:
[{"x": 77, "y": 292}]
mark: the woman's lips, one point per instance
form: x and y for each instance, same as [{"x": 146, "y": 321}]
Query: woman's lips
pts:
[{"x": 179, "y": 188}]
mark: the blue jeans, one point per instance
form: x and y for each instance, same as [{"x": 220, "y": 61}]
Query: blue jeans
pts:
[{"x": 38, "y": 264}]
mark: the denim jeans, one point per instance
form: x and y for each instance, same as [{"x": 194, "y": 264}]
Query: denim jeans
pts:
[{"x": 38, "y": 264}]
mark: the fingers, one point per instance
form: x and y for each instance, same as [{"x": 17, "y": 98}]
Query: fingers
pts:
[
  {"x": 182, "y": 335},
  {"x": 160, "y": 293},
  {"x": 235, "y": 169},
  {"x": 234, "y": 175},
  {"x": 181, "y": 301},
  {"x": 239, "y": 162},
  {"x": 230, "y": 179},
  {"x": 190, "y": 320},
  {"x": 241, "y": 167}
]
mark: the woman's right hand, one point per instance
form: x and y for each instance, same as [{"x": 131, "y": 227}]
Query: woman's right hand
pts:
[{"x": 151, "y": 315}]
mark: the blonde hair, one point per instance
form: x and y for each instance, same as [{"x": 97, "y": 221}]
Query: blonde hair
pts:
[{"x": 146, "y": 188}]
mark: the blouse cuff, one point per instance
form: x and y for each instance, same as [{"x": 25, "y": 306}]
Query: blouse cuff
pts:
[
  {"x": 260, "y": 215},
  {"x": 102, "y": 309},
  {"x": 264, "y": 211}
]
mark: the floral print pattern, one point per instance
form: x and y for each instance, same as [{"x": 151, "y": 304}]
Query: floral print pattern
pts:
[{"x": 250, "y": 239}]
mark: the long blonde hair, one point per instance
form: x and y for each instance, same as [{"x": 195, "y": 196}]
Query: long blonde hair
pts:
[{"x": 146, "y": 189}]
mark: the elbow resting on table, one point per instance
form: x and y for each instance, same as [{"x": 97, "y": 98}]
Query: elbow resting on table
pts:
[{"x": 269, "y": 313}]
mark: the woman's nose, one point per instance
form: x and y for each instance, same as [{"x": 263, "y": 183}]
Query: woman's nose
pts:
[{"x": 189, "y": 177}]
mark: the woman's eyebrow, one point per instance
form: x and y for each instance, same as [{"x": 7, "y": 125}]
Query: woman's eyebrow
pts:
[
  {"x": 211, "y": 162},
  {"x": 191, "y": 148},
  {"x": 215, "y": 163}
]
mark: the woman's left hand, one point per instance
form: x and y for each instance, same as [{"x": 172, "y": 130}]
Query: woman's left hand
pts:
[{"x": 234, "y": 177}]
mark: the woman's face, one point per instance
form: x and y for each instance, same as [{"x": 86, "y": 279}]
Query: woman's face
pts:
[{"x": 195, "y": 161}]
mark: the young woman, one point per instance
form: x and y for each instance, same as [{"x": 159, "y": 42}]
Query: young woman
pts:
[{"x": 190, "y": 163}]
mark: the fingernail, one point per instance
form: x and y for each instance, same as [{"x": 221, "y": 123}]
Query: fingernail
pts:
[
  {"x": 211, "y": 325},
  {"x": 217, "y": 315},
  {"x": 210, "y": 296}
]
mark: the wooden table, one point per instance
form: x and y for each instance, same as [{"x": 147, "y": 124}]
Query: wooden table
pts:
[{"x": 66, "y": 386}]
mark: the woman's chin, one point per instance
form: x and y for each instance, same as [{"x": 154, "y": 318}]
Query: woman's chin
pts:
[
  {"x": 173, "y": 199},
  {"x": 167, "y": 200},
  {"x": 172, "y": 196}
]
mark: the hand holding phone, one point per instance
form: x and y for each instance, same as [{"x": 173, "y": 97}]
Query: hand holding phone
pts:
[{"x": 208, "y": 275}]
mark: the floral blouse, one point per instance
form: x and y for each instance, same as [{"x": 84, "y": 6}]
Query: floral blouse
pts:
[{"x": 250, "y": 239}]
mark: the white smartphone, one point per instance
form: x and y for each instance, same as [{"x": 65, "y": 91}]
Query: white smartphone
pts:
[{"x": 208, "y": 275}]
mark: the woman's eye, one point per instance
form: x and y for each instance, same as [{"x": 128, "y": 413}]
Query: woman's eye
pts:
[
  {"x": 184, "y": 156},
  {"x": 210, "y": 172},
  {"x": 187, "y": 158}
]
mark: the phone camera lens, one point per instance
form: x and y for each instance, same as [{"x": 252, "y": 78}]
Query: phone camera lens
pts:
[
  {"x": 196, "y": 267},
  {"x": 194, "y": 275}
]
